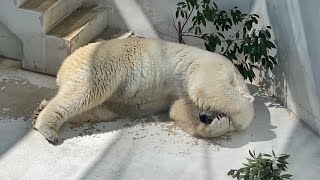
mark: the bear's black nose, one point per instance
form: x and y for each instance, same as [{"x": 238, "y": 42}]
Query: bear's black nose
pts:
[{"x": 205, "y": 118}]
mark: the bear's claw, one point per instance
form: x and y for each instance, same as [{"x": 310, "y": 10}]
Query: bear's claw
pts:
[
  {"x": 36, "y": 112},
  {"x": 208, "y": 117}
]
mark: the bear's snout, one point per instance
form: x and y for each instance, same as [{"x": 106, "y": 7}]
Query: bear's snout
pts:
[{"x": 205, "y": 117}]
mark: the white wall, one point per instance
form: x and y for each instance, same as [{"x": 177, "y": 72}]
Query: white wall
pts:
[
  {"x": 10, "y": 45},
  {"x": 296, "y": 80}
]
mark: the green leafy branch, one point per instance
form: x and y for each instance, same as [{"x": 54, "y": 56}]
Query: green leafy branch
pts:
[
  {"x": 247, "y": 47},
  {"x": 262, "y": 166}
]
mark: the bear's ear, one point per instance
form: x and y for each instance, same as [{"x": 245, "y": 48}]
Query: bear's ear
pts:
[{"x": 249, "y": 97}]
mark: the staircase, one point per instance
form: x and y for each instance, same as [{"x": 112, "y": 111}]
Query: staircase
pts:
[{"x": 52, "y": 29}]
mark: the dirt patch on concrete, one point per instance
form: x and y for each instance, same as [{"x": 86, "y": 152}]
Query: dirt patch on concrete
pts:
[{"x": 19, "y": 98}]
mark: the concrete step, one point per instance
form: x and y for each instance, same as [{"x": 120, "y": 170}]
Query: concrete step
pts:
[
  {"x": 113, "y": 33},
  {"x": 18, "y": 3},
  {"x": 74, "y": 31},
  {"x": 52, "y": 11},
  {"x": 38, "y": 5}
]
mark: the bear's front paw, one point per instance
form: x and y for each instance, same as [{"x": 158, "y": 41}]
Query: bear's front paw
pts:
[
  {"x": 214, "y": 125},
  {"x": 222, "y": 123},
  {"x": 50, "y": 134}
]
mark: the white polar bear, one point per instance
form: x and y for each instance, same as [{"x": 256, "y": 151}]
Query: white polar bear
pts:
[{"x": 140, "y": 76}]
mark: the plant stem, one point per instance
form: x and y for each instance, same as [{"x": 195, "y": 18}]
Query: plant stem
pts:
[
  {"x": 174, "y": 23},
  {"x": 190, "y": 35},
  {"x": 187, "y": 19},
  {"x": 180, "y": 33}
]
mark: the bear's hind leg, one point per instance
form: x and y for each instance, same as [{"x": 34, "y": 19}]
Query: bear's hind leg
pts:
[
  {"x": 97, "y": 114},
  {"x": 68, "y": 103}
]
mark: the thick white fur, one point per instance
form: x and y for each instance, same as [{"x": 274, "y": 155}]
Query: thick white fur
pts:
[{"x": 139, "y": 76}]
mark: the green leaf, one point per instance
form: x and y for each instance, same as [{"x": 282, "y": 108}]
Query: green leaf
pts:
[
  {"x": 286, "y": 176},
  {"x": 267, "y": 155},
  {"x": 218, "y": 40},
  {"x": 270, "y": 45},
  {"x": 215, "y": 5},
  {"x": 193, "y": 3},
  {"x": 269, "y": 65},
  {"x": 251, "y": 154},
  {"x": 284, "y": 155},
  {"x": 231, "y": 172},
  {"x": 177, "y": 13},
  {"x": 268, "y": 34},
  {"x": 227, "y": 27},
  {"x": 256, "y": 15},
  {"x": 249, "y": 25},
  {"x": 244, "y": 32},
  {"x": 269, "y": 27},
  {"x": 203, "y": 20},
  {"x": 254, "y": 20},
  {"x": 199, "y": 30},
  {"x": 240, "y": 50},
  {"x": 273, "y": 60},
  {"x": 255, "y": 170},
  {"x": 206, "y": 13},
  {"x": 210, "y": 46},
  {"x": 221, "y": 35},
  {"x": 259, "y": 156},
  {"x": 182, "y": 14},
  {"x": 229, "y": 21},
  {"x": 204, "y": 36},
  {"x": 181, "y": 3},
  {"x": 263, "y": 61}
]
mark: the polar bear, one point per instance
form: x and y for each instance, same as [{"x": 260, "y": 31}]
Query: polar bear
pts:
[{"x": 140, "y": 76}]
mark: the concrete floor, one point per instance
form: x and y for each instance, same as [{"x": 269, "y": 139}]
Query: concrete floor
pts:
[{"x": 149, "y": 148}]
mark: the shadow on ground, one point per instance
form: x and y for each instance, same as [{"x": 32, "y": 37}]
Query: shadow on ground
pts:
[{"x": 259, "y": 130}]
